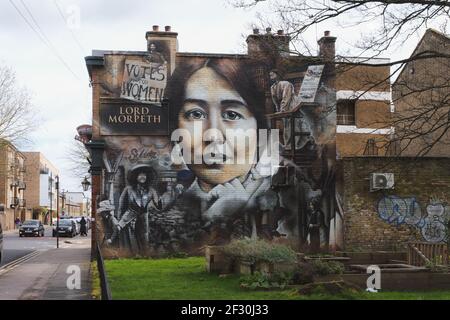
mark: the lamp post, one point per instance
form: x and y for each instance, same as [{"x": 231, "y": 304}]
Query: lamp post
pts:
[
  {"x": 85, "y": 184},
  {"x": 51, "y": 201},
  {"x": 63, "y": 204},
  {"x": 57, "y": 211},
  {"x": 96, "y": 149}
]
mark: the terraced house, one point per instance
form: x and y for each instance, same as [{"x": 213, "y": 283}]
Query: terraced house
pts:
[{"x": 12, "y": 185}]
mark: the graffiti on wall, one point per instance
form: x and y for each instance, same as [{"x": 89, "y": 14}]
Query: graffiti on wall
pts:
[
  {"x": 432, "y": 222},
  {"x": 214, "y": 177}
]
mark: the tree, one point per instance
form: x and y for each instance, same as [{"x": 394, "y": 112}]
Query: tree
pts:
[
  {"x": 79, "y": 159},
  {"x": 422, "y": 123},
  {"x": 383, "y": 23},
  {"x": 17, "y": 117}
]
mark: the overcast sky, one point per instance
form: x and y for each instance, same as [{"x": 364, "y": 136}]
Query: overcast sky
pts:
[{"x": 56, "y": 73}]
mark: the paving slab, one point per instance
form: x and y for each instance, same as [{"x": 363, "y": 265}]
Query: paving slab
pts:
[{"x": 45, "y": 276}]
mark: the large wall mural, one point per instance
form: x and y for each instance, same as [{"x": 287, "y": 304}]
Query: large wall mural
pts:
[
  {"x": 432, "y": 223},
  {"x": 213, "y": 152}
]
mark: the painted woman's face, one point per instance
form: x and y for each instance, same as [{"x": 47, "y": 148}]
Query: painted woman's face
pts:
[
  {"x": 212, "y": 102},
  {"x": 142, "y": 177}
]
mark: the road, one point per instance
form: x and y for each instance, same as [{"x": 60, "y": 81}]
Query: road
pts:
[
  {"x": 43, "y": 274},
  {"x": 15, "y": 247}
]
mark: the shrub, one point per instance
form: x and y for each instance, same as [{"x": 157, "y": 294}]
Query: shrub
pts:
[
  {"x": 179, "y": 255},
  {"x": 266, "y": 281},
  {"x": 324, "y": 268},
  {"x": 303, "y": 274},
  {"x": 259, "y": 250}
]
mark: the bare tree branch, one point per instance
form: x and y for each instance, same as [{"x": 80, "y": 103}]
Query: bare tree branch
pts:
[{"x": 17, "y": 115}]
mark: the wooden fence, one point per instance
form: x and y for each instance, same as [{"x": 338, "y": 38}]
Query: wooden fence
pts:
[{"x": 423, "y": 253}]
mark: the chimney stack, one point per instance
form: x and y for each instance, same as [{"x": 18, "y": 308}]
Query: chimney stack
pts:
[
  {"x": 327, "y": 46},
  {"x": 260, "y": 44},
  {"x": 166, "y": 42}
]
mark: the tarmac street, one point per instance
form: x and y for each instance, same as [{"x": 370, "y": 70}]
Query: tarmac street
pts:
[
  {"x": 33, "y": 269},
  {"x": 15, "y": 247}
]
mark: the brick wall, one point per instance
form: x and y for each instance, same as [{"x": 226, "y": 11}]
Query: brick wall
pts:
[
  {"x": 362, "y": 78},
  {"x": 424, "y": 180},
  {"x": 32, "y": 179},
  {"x": 354, "y": 144},
  {"x": 372, "y": 114}
]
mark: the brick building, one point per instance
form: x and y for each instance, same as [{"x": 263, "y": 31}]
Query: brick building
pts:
[
  {"x": 41, "y": 187},
  {"x": 323, "y": 191},
  {"x": 12, "y": 185},
  {"x": 74, "y": 204},
  {"x": 422, "y": 88},
  {"x": 363, "y": 106},
  {"x": 417, "y": 206}
]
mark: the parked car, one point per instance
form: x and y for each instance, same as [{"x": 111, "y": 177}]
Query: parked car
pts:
[
  {"x": 32, "y": 228},
  {"x": 67, "y": 227},
  {"x": 77, "y": 226},
  {"x": 88, "y": 222}
]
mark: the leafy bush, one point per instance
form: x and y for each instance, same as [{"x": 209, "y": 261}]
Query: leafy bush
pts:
[
  {"x": 265, "y": 281},
  {"x": 303, "y": 274},
  {"x": 323, "y": 268},
  {"x": 179, "y": 255},
  {"x": 259, "y": 250}
]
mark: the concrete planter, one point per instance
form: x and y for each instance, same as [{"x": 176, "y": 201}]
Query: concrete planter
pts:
[
  {"x": 329, "y": 278},
  {"x": 245, "y": 268},
  {"x": 216, "y": 261}
]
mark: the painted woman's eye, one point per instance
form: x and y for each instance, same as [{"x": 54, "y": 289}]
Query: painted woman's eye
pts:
[
  {"x": 195, "y": 114},
  {"x": 231, "y": 115}
]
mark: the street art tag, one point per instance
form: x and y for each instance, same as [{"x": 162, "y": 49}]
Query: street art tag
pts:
[
  {"x": 432, "y": 225},
  {"x": 144, "y": 81},
  {"x": 397, "y": 211}
]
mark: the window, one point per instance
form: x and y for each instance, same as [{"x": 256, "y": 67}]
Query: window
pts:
[{"x": 346, "y": 112}]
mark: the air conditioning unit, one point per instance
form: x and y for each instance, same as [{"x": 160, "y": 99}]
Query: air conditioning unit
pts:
[{"x": 381, "y": 181}]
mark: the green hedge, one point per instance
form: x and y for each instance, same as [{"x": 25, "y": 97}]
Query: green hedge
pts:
[{"x": 259, "y": 251}]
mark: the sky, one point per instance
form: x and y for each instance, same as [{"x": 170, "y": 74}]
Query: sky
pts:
[{"x": 52, "y": 65}]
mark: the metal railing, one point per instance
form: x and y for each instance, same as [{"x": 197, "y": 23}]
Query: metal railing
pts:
[{"x": 104, "y": 285}]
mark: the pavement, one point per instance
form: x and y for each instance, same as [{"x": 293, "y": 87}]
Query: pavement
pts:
[{"x": 47, "y": 273}]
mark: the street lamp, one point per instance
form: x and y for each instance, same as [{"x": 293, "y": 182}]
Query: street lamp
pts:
[
  {"x": 86, "y": 184},
  {"x": 57, "y": 210}
]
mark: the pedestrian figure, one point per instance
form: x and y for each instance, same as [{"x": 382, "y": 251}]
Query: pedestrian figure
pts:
[{"x": 83, "y": 229}]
